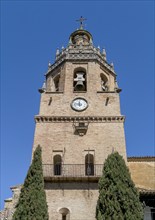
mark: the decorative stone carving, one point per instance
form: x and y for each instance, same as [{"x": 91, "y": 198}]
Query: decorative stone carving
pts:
[{"x": 74, "y": 119}]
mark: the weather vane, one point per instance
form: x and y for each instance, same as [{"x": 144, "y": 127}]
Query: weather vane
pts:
[{"x": 81, "y": 20}]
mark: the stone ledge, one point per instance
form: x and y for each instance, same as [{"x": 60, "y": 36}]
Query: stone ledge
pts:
[
  {"x": 146, "y": 191},
  {"x": 89, "y": 119},
  {"x": 141, "y": 159},
  {"x": 61, "y": 179}
]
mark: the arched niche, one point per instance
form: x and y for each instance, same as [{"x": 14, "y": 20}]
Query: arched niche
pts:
[
  {"x": 104, "y": 82},
  {"x": 56, "y": 80},
  {"x": 80, "y": 79},
  {"x": 65, "y": 213}
]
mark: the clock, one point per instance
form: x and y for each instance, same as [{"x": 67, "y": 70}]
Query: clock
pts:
[{"x": 79, "y": 104}]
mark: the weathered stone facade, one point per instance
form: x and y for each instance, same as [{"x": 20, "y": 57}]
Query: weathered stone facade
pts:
[
  {"x": 78, "y": 195},
  {"x": 74, "y": 135},
  {"x": 10, "y": 204},
  {"x": 142, "y": 171}
]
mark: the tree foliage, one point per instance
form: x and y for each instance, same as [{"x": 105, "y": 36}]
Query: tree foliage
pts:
[
  {"x": 32, "y": 201},
  {"x": 118, "y": 196}
]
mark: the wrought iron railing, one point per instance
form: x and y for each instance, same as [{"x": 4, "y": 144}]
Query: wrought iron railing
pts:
[{"x": 72, "y": 170}]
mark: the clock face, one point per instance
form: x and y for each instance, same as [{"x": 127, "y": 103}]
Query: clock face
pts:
[{"x": 79, "y": 104}]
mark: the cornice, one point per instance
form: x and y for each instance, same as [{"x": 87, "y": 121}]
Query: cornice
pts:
[
  {"x": 141, "y": 159},
  {"x": 84, "y": 53},
  {"x": 74, "y": 119},
  {"x": 146, "y": 191}
]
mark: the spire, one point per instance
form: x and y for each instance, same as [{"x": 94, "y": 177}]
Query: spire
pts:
[
  {"x": 117, "y": 89},
  {"x": 57, "y": 53},
  {"x": 104, "y": 54},
  {"x": 49, "y": 64},
  {"x": 112, "y": 65},
  {"x": 81, "y": 20}
]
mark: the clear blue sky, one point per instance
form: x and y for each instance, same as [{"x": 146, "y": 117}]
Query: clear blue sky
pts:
[{"x": 30, "y": 33}]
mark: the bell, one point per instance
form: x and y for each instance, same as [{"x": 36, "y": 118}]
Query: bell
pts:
[{"x": 79, "y": 86}]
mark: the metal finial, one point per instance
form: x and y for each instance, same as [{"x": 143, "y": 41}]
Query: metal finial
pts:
[{"x": 81, "y": 20}]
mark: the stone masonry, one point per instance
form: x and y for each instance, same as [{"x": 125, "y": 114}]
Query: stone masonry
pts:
[{"x": 75, "y": 135}]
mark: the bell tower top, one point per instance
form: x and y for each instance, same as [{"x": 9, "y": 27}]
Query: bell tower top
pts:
[
  {"x": 73, "y": 65},
  {"x": 80, "y": 36}
]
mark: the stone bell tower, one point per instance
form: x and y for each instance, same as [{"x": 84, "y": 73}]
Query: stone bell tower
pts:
[{"x": 79, "y": 124}]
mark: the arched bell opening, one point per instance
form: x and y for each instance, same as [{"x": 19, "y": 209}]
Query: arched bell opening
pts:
[
  {"x": 89, "y": 165},
  {"x": 65, "y": 213},
  {"x": 80, "y": 80},
  {"x": 104, "y": 82},
  {"x": 56, "y": 80},
  {"x": 57, "y": 161}
]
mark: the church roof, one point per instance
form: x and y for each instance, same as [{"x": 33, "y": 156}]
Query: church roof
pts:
[{"x": 141, "y": 159}]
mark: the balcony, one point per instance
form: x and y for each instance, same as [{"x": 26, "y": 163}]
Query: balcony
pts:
[{"x": 72, "y": 172}]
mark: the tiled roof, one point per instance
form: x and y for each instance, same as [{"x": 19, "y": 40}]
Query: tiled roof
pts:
[{"x": 141, "y": 159}]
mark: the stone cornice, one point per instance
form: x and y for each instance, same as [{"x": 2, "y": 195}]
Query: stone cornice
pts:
[
  {"x": 85, "y": 53},
  {"x": 146, "y": 191},
  {"x": 74, "y": 119},
  {"x": 141, "y": 159}
]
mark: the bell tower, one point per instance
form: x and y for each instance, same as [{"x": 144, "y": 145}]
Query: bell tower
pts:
[{"x": 79, "y": 124}]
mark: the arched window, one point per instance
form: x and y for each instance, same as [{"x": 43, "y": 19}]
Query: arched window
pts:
[
  {"x": 65, "y": 213},
  {"x": 57, "y": 161},
  {"x": 104, "y": 82},
  {"x": 89, "y": 165},
  {"x": 56, "y": 80},
  {"x": 80, "y": 80}
]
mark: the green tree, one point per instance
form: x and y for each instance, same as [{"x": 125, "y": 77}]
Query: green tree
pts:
[
  {"x": 118, "y": 196},
  {"x": 32, "y": 201}
]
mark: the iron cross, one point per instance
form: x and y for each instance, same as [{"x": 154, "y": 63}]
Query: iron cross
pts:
[{"x": 81, "y": 20}]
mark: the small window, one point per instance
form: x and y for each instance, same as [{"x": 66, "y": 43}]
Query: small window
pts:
[
  {"x": 57, "y": 161},
  {"x": 56, "y": 82}
]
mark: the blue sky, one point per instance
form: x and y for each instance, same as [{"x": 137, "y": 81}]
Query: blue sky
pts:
[{"x": 31, "y": 31}]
